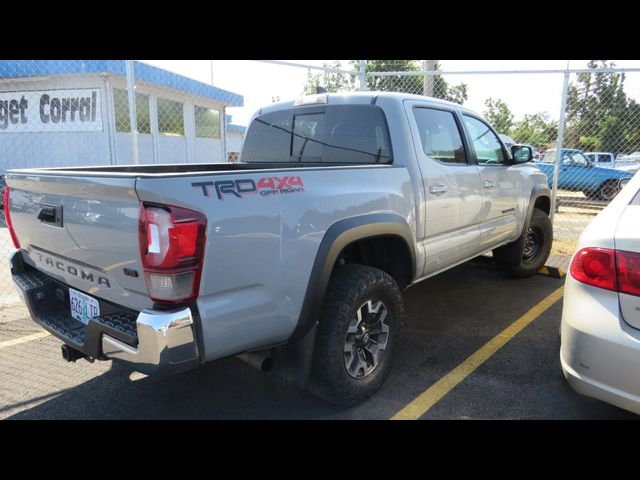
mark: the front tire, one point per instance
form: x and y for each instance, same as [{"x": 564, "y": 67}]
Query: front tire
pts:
[
  {"x": 524, "y": 257},
  {"x": 357, "y": 335}
]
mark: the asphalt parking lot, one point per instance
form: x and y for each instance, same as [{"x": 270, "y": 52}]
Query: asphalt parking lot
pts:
[{"x": 449, "y": 317}]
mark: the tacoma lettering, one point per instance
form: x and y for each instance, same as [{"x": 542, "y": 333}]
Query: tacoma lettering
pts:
[{"x": 71, "y": 270}]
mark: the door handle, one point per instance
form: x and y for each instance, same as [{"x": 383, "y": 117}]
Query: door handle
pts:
[
  {"x": 437, "y": 189},
  {"x": 489, "y": 184},
  {"x": 47, "y": 214},
  {"x": 51, "y": 214}
]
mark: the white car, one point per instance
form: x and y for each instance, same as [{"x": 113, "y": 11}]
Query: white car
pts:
[
  {"x": 600, "y": 329},
  {"x": 630, "y": 163},
  {"x": 632, "y": 157}
]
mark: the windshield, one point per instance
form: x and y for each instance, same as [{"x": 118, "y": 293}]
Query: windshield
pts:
[
  {"x": 575, "y": 159},
  {"x": 569, "y": 157}
]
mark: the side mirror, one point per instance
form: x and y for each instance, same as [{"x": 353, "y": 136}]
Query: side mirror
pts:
[{"x": 521, "y": 153}]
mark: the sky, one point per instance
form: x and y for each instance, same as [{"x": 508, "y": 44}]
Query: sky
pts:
[{"x": 260, "y": 83}]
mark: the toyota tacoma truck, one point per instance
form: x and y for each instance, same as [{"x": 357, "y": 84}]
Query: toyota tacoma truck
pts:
[{"x": 295, "y": 257}]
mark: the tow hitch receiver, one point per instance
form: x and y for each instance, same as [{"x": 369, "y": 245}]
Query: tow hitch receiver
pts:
[{"x": 71, "y": 354}]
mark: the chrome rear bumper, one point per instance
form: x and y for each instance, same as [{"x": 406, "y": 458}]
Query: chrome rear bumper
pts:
[
  {"x": 166, "y": 343},
  {"x": 151, "y": 341}
]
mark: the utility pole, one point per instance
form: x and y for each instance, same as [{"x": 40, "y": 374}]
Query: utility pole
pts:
[
  {"x": 362, "y": 74},
  {"x": 133, "y": 120},
  {"x": 558, "y": 159},
  {"x": 429, "y": 66},
  {"x": 211, "y": 71}
]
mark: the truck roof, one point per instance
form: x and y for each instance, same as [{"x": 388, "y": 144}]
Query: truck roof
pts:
[{"x": 358, "y": 98}]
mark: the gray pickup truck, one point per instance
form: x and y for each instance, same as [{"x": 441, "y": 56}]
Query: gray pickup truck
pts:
[{"x": 295, "y": 258}]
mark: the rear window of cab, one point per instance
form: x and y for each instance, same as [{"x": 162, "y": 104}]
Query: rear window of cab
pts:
[{"x": 343, "y": 134}]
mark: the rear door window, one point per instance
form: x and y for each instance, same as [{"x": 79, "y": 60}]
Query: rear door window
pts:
[
  {"x": 343, "y": 134},
  {"x": 440, "y": 135}
]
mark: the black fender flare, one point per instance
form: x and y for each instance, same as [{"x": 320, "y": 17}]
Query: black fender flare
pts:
[
  {"x": 510, "y": 255},
  {"x": 336, "y": 238},
  {"x": 536, "y": 192}
]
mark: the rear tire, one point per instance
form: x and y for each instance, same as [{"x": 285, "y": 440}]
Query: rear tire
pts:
[
  {"x": 357, "y": 336},
  {"x": 524, "y": 257},
  {"x": 608, "y": 190}
]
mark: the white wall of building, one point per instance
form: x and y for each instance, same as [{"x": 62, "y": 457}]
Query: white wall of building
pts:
[
  {"x": 170, "y": 148},
  {"x": 54, "y": 148},
  {"x": 234, "y": 141},
  {"x": 106, "y": 147}
]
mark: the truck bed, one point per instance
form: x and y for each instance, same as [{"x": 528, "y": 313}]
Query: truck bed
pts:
[
  {"x": 261, "y": 243},
  {"x": 180, "y": 168}
]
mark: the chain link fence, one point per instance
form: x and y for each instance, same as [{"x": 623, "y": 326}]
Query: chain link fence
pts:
[
  {"x": 44, "y": 121},
  {"x": 595, "y": 119},
  {"x": 74, "y": 113},
  {"x": 600, "y": 151},
  {"x": 56, "y": 113}
]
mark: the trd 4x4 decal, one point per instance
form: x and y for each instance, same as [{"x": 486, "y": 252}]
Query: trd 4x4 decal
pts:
[{"x": 265, "y": 186}]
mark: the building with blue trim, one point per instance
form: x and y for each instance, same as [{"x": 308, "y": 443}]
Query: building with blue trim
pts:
[{"x": 76, "y": 112}]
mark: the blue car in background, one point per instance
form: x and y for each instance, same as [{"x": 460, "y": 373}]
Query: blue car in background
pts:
[{"x": 578, "y": 173}]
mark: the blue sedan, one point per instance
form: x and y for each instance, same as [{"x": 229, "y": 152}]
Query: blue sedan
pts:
[{"x": 578, "y": 173}]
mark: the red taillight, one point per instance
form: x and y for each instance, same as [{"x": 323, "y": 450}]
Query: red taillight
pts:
[
  {"x": 628, "y": 272},
  {"x": 611, "y": 269},
  {"x": 7, "y": 217},
  {"x": 172, "y": 248},
  {"x": 596, "y": 267}
]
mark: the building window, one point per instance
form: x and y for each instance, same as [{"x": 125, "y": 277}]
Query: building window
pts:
[
  {"x": 121, "y": 108},
  {"x": 207, "y": 122},
  {"x": 170, "y": 117}
]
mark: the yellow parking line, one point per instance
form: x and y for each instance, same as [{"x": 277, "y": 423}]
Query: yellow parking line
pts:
[
  {"x": 434, "y": 394},
  {"x": 26, "y": 338}
]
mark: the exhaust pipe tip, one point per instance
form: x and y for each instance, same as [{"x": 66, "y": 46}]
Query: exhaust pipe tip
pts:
[
  {"x": 267, "y": 365},
  {"x": 260, "y": 360}
]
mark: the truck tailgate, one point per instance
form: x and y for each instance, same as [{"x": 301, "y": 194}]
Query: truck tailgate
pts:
[{"x": 83, "y": 231}]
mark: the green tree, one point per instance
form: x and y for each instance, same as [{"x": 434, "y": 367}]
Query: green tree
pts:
[
  {"x": 411, "y": 83},
  {"x": 599, "y": 113},
  {"x": 338, "y": 81},
  {"x": 396, "y": 83},
  {"x": 456, "y": 93},
  {"x": 535, "y": 129},
  {"x": 331, "y": 81},
  {"x": 499, "y": 115}
]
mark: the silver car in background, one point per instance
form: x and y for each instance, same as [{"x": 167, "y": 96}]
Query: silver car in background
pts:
[{"x": 600, "y": 329}]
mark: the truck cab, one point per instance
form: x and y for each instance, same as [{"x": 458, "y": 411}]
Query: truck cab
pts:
[{"x": 601, "y": 159}]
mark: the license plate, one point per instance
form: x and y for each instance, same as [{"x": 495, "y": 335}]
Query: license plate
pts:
[{"x": 83, "y": 307}]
